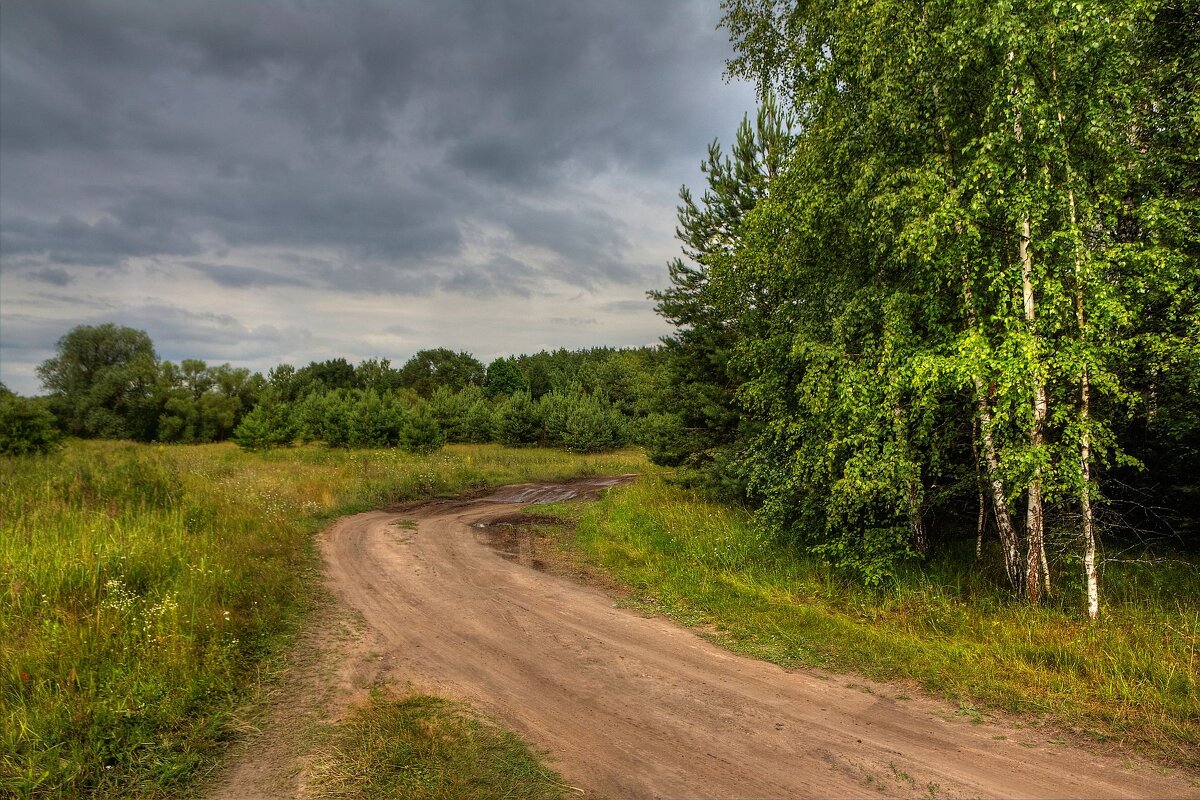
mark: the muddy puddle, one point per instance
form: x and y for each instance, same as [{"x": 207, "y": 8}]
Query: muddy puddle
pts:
[
  {"x": 516, "y": 538},
  {"x": 542, "y": 493}
]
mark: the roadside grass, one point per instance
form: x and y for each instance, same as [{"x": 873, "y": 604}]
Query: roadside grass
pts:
[
  {"x": 145, "y": 591},
  {"x": 1132, "y": 678},
  {"x": 428, "y": 748}
]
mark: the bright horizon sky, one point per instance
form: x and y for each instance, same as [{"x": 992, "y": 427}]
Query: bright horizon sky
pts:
[{"x": 275, "y": 182}]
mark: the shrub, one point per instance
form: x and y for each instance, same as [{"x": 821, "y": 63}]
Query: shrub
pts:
[
  {"x": 265, "y": 427},
  {"x": 518, "y": 421},
  {"x": 421, "y": 432},
  {"x": 451, "y": 410},
  {"x": 592, "y": 425},
  {"x": 481, "y": 423},
  {"x": 337, "y": 426},
  {"x": 377, "y": 420},
  {"x": 26, "y": 427}
]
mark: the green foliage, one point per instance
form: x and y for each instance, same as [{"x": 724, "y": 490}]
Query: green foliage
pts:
[
  {"x": 452, "y": 410},
  {"x": 266, "y": 426},
  {"x": 700, "y": 382},
  {"x": 518, "y": 421},
  {"x": 371, "y": 405},
  {"x": 376, "y": 375},
  {"x": 420, "y": 432},
  {"x": 323, "y": 376},
  {"x": 378, "y": 421},
  {"x": 26, "y": 426},
  {"x": 504, "y": 377},
  {"x": 201, "y": 403},
  {"x": 101, "y": 382},
  {"x": 429, "y": 370},
  {"x": 427, "y": 747},
  {"x": 974, "y": 260},
  {"x": 581, "y": 423},
  {"x": 338, "y": 425},
  {"x": 665, "y": 438},
  {"x": 480, "y": 423}
]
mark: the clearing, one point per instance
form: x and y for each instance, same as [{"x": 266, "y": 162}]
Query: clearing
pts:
[{"x": 628, "y": 705}]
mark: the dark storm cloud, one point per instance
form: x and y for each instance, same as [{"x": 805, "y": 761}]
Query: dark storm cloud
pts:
[
  {"x": 52, "y": 275},
  {"x": 106, "y": 242},
  {"x": 236, "y": 277},
  {"x": 368, "y": 131},
  {"x": 305, "y": 160}
]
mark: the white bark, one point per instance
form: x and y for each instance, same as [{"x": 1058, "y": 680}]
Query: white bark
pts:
[{"x": 1034, "y": 515}]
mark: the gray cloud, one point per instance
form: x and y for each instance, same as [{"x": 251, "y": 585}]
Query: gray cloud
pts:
[
  {"x": 628, "y": 306},
  {"x": 236, "y": 277},
  {"x": 466, "y": 148}
]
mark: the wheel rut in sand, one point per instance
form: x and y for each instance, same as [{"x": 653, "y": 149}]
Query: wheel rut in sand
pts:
[{"x": 634, "y": 706}]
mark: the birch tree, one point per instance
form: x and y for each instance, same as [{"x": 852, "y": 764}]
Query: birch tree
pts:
[{"x": 966, "y": 217}]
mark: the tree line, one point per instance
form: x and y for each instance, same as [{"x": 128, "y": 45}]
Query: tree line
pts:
[
  {"x": 107, "y": 381},
  {"x": 951, "y": 263}
]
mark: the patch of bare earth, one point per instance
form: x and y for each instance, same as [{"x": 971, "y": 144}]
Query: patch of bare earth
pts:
[{"x": 628, "y": 705}]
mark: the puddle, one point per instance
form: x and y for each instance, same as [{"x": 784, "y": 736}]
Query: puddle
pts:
[
  {"x": 539, "y": 493},
  {"x": 514, "y": 538}
]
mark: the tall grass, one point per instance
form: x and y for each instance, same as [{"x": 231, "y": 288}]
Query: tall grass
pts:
[
  {"x": 1130, "y": 677},
  {"x": 144, "y": 590}
]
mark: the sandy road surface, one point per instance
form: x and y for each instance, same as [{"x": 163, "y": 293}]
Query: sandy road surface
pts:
[
  {"x": 630, "y": 706},
  {"x": 635, "y": 707}
]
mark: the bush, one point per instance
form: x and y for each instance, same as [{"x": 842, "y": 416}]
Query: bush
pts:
[
  {"x": 26, "y": 427},
  {"x": 481, "y": 423},
  {"x": 592, "y": 425},
  {"x": 518, "y": 421},
  {"x": 451, "y": 410},
  {"x": 378, "y": 421},
  {"x": 337, "y": 426},
  {"x": 421, "y": 432},
  {"x": 553, "y": 411},
  {"x": 265, "y": 427}
]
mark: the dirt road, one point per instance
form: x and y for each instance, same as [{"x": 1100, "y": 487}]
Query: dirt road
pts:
[{"x": 637, "y": 707}]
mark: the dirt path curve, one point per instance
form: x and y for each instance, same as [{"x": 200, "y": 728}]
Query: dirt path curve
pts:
[{"x": 637, "y": 707}]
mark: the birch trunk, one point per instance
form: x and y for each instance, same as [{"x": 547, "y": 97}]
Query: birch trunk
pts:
[
  {"x": 1088, "y": 529},
  {"x": 981, "y": 520},
  {"x": 1035, "y": 524},
  {"x": 1013, "y": 564},
  {"x": 1085, "y": 438}
]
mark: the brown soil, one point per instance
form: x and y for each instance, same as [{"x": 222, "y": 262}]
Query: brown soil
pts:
[{"x": 634, "y": 706}]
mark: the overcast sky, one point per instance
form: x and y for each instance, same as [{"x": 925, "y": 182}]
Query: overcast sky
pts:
[{"x": 261, "y": 182}]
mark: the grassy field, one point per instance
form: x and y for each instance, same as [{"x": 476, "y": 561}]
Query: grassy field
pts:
[
  {"x": 1130, "y": 678},
  {"x": 146, "y": 590}
]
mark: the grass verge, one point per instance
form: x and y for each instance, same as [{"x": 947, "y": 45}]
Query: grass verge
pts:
[
  {"x": 1131, "y": 678},
  {"x": 146, "y": 590},
  {"x": 423, "y": 747}
]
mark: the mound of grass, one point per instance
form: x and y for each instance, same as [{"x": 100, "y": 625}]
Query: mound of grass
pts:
[
  {"x": 422, "y": 747},
  {"x": 1133, "y": 677},
  {"x": 146, "y": 590}
]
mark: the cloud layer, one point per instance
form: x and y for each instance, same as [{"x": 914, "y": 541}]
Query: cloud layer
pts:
[{"x": 260, "y": 182}]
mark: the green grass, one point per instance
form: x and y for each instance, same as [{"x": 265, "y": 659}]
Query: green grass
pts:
[
  {"x": 428, "y": 748},
  {"x": 145, "y": 591},
  {"x": 1131, "y": 678}
]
